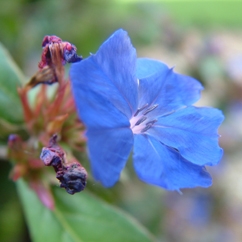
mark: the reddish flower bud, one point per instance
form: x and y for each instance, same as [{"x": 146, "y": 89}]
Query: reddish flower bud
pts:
[
  {"x": 72, "y": 176},
  {"x": 53, "y": 45}
]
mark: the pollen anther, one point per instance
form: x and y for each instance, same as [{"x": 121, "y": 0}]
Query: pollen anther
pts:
[
  {"x": 150, "y": 109},
  {"x": 140, "y": 109},
  {"x": 141, "y": 120}
]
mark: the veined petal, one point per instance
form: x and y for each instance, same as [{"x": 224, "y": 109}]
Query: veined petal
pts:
[
  {"x": 117, "y": 58},
  {"x": 95, "y": 110},
  {"x": 110, "y": 73},
  {"x": 162, "y": 166},
  {"x": 108, "y": 151},
  {"x": 152, "y": 75},
  {"x": 193, "y": 132},
  {"x": 161, "y": 85}
]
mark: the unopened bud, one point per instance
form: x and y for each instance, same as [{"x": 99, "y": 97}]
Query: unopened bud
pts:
[
  {"x": 50, "y": 157},
  {"x": 73, "y": 178}
]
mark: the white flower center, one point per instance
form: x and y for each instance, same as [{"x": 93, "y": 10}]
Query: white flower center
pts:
[{"x": 141, "y": 121}]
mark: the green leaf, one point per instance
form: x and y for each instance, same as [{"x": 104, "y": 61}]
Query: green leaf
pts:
[
  {"x": 81, "y": 217},
  {"x": 10, "y": 78}
]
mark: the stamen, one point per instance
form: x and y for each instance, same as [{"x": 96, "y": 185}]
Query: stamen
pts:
[
  {"x": 148, "y": 125},
  {"x": 150, "y": 109},
  {"x": 140, "y": 109},
  {"x": 151, "y": 122},
  {"x": 146, "y": 128},
  {"x": 137, "y": 123},
  {"x": 141, "y": 120}
]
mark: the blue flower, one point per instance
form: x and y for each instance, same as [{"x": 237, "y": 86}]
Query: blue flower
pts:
[{"x": 128, "y": 103}]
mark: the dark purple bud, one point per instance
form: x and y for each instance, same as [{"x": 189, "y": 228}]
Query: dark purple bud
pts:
[
  {"x": 53, "y": 155},
  {"x": 71, "y": 57},
  {"x": 13, "y": 139},
  {"x": 50, "y": 157},
  {"x": 73, "y": 178},
  {"x": 15, "y": 142},
  {"x": 69, "y": 54}
]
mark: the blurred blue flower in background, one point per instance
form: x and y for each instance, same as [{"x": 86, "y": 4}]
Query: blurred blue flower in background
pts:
[{"x": 128, "y": 103}]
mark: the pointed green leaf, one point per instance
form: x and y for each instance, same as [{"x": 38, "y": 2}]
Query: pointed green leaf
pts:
[
  {"x": 10, "y": 78},
  {"x": 81, "y": 217}
]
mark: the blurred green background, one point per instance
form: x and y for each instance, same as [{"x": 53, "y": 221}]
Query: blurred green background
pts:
[{"x": 199, "y": 38}]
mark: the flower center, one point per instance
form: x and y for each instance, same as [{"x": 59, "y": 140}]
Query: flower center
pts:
[{"x": 141, "y": 121}]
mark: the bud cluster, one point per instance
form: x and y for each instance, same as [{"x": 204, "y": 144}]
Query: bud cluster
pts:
[
  {"x": 45, "y": 117},
  {"x": 72, "y": 176}
]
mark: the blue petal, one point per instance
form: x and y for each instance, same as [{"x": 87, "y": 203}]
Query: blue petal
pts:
[
  {"x": 146, "y": 67},
  {"x": 193, "y": 132},
  {"x": 104, "y": 86},
  {"x": 110, "y": 73},
  {"x": 161, "y": 85},
  {"x": 95, "y": 110},
  {"x": 160, "y": 165},
  {"x": 117, "y": 59},
  {"x": 108, "y": 151}
]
